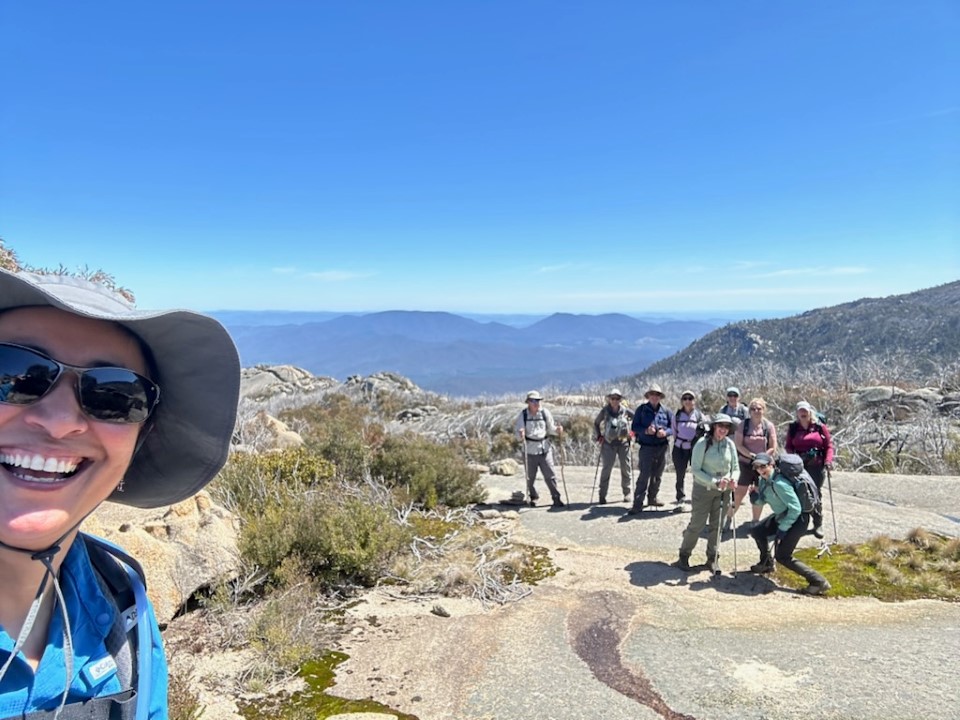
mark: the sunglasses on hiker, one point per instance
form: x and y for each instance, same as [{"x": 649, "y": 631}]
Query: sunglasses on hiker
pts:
[{"x": 108, "y": 394}]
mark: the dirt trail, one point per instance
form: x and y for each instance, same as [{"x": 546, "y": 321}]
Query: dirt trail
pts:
[{"x": 618, "y": 633}]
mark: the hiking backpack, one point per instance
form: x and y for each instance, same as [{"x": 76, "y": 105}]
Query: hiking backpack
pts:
[
  {"x": 790, "y": 466},
  {"x": 616, "y": 428},
  {"x": 766, "y": 430}
]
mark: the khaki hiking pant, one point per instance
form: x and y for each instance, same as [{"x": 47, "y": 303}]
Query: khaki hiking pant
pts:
[
  {"x": 608, "y": 455},
  {"x": 706, "y": 508}
]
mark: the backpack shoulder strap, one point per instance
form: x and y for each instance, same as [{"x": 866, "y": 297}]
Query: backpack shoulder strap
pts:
[{"x": 112, "y": 564}]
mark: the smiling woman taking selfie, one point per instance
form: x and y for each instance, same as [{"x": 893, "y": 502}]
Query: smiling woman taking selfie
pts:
[{"x": 97, "y": 401}]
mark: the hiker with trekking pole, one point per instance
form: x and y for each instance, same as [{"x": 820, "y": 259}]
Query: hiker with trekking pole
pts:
[
  {"x": 715, "y": 473},
  {"x": 809, "y": 437},
  {"x": 652, "y": 428},
  {"x": 612, "y": 432},
  {"x": 790, "y": 502},
  {"x": 535, "y": 426}
]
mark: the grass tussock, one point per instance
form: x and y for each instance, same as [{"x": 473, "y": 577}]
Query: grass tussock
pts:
[{"x": 924, "y": 565}]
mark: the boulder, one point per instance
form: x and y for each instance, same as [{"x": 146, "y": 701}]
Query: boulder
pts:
[
  {"x": 264, "y": 432},
  {"x": 183, "y": 547},
  {"x": 266, "y": 381},
  {"x": 507, "y": 466}
]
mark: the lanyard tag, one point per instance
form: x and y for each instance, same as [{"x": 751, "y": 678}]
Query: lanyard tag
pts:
[{"x": 99, "y": 670}]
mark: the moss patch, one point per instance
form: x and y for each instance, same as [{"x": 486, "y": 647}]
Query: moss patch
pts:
[
  {"x": 536, "y": 566},
  {"x": 315, "y": 703},
  {"x": 921, "y": 566}
]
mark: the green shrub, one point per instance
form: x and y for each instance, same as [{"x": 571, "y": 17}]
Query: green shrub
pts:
[
  {"x": 504, "y": 445},
  {"x": 250, "y": 482},
  {"x": 347, "y": 539},
  {"x": 426, "y": 473},
  {"x": 332, "y": 536}
]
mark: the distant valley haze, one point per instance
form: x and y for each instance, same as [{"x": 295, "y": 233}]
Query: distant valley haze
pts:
[{"x": 463, "y": 356}]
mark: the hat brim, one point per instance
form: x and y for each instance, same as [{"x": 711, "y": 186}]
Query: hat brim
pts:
[{"x": 198, "y": 371}]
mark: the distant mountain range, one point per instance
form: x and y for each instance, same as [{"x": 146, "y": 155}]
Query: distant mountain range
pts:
[
  {"x": 923, "y": 326},
  {"x": 452, "y": 354}
]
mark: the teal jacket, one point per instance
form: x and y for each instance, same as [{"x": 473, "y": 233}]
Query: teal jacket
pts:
[
  {"x": 720, "y": 461},
  {"x": 778, "y": 493}
]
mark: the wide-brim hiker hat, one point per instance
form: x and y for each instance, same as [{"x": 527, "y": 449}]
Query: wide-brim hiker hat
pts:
[
  {"x": 198, "y": 372},
  {"x": 654, "y": 388},
  {"x": 533, "y": 395},
  {"x": 721, "y": 419},
  {"x": 615, "y": 393},
  {"x": 688, "y": 393}
]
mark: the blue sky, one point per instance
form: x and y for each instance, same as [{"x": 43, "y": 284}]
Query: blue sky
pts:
[{"x": 640, "y": 157}]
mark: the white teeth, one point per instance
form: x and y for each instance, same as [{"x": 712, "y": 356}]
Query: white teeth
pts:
[{"x": 39, "y": 462}]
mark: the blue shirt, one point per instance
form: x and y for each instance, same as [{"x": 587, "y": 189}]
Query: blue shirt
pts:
[
  {"x": 92, "y": 616},
  {"x": 644, "y": 417}
]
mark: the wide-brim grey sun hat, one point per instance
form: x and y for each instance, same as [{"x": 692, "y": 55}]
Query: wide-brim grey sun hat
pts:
[
  {"x": 615, "y": 393},
  {"x": 533, "y": 395},
  {"x": 654, "y": 388},
  {"x": 198, "y": 371}
]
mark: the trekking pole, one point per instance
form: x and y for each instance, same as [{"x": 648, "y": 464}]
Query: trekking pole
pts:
[
  {"x": 734, "y": 526},
  {"x": 596, "y": 473},
  {"x": 562, "y": 478},
  {"x": 723, "y": 510},
  {"x": 528, "y": 485},
  {"x": 833, "y": 512}
]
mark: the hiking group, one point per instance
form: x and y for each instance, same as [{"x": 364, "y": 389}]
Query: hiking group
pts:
[{"x": 731, "y": 455}]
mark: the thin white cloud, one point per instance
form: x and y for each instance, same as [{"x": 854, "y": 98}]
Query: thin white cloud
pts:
[
  {"x": 337, "y": 275},
  {"x": 750, "y": 264},
  {"x": 555, "y": 268},
  {"x": 814, "y": 272}
]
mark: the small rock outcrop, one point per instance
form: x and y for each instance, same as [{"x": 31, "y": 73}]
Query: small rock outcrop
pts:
[
  {"x": 263, "y": 432},
  {"x": 266, "y": 381},
  {"x": 507, "y": 466},
  {"x": 183, "y": 547}
]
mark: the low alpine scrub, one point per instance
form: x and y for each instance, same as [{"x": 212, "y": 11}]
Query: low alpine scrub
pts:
[
  {"x": 923, "y": 565},
  {"x": 425, "y": 473}
]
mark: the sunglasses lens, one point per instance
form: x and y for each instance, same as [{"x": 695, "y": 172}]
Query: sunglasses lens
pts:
[
  {"x": 25, "y": 377},
  {"x": 116, "y": 395},
  {"x": 108, "y": 394}
]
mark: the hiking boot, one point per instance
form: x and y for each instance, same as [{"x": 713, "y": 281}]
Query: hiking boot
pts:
[
  {"x": 602, "y": 500},
  {"x": 635, "y": 510},
  {"x": 683, "y": 563},
  {"x": 653, "y": 502},
  {"x": 818, "y": 532},
  {"x": 816, "y": 588},
  {"x": 557, "y": 502},
  {"x": 532, "y": 503},
  {"x": 678, "y": 508},
  {"x": 626, "y": 497},
  {"x": 713, "y": 565},
  {"x": 763, "y": 567}
]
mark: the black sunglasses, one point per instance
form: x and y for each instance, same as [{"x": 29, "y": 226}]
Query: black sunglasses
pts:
[{"x": 107, "y": 394}]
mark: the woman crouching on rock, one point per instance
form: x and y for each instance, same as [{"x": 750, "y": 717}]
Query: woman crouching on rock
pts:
[
  {"x": 786, "y": 525},
  {"x": 97, "y": 401},
  {"x": 715, "y": 473}
]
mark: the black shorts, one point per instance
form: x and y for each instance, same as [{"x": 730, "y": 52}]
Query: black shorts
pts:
[{"x": 748, "y": 475}]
